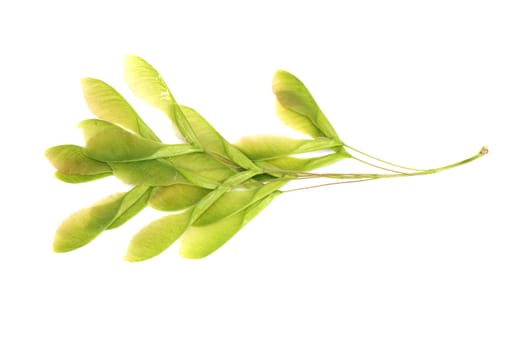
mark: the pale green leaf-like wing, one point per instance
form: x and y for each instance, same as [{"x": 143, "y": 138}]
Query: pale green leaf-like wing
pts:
[
  {"x": 158, "y": 236},
  {"x": 77, "y": 179},
  {"x": 210, "y": 138},
  {"x": 147, "y": 83},
  {"x": 201, "y": 169},
  {"x": 71, "y": 160},
  {"x": 176, "y": 197},
  {"x": 156, "y": 172},
  {"x": 262, "y": 147},
  {"x": 213, "y": 142},
  {"x": 235, "y": 200},
  {"x": 297, "y": 121},
  {"x": 110, "y": 143},
  {"x": 86, "y": 224},
  {"x": 107, "y": 104},
  {"x": 132, "y": 203},
  {"x": 226, "y": 185},
  {"x": 200, "y": 241},
  {"x": 297, "y": 108}
]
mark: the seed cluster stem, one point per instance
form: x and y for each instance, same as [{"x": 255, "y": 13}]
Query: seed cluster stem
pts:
[{"x": 361, "y": 177}]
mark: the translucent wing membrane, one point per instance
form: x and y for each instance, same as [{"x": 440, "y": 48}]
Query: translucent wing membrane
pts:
[
  {"x": 86, "y": 224},
  {"x": 107, "y": 104},
  {"x": 200, "y": 241},
  {"x": 109, "y": 143},
  {"x": 71, "y": 160},
  {"x": 213, "y": 142},
  {"x": 263, "y": 147},
  {"x": 146, "y": 83},
  {"x": 176, "y": 197},
  {"x": 297, "y": 108},
  {"x": 158, "y": 236}
]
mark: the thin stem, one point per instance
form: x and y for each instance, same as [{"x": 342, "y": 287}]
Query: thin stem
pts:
[
  {"x": 377, "y": 166},
  {"x": 480, "y": 154},
  {"x": 484, "y": 150},
  {"x": 381, "y": 160},
  {"x": 367, "y": 177},
  {"x": 327, "y": 184}
]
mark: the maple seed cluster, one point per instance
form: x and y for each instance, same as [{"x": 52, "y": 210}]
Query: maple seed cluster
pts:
[{"x": 211, "y": 187}]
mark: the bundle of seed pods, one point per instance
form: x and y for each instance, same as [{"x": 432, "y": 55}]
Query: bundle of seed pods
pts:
[{"x": 211, "y": 187}]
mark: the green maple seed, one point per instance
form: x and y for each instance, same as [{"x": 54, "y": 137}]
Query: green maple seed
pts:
[
  {"x": 85, "y": 225},
  {"x": 264, "y": 147},
  {"x": 101, "y": 144},
  {"x": 176, "y": 197},
  {"x": 213, "y": 187},
  {"x": 107, "y": 104},
  {"x": 70, "y": 160},
  {"x": 200, "y": 241}
]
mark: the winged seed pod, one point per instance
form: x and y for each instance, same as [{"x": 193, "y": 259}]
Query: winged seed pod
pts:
[{"x": 212, "y": 187}]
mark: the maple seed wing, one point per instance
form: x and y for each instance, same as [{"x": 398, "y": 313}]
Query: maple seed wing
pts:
[
  {"x": 71, "y": 160},
  {"x": 262, "y": 147},
  {"x": 86, "y": 224},
  {"x": 147, "y": 83},
  {"x": 297, "y": 108},
  {"x": 176, "y": 197},
  {"x": 107, "y": 104},
  {"x": 200, "y": 241},
  {"x": 158, "y": 236}
]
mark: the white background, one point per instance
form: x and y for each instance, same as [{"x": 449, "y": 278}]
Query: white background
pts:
[{"x": 434, "y": 262}]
